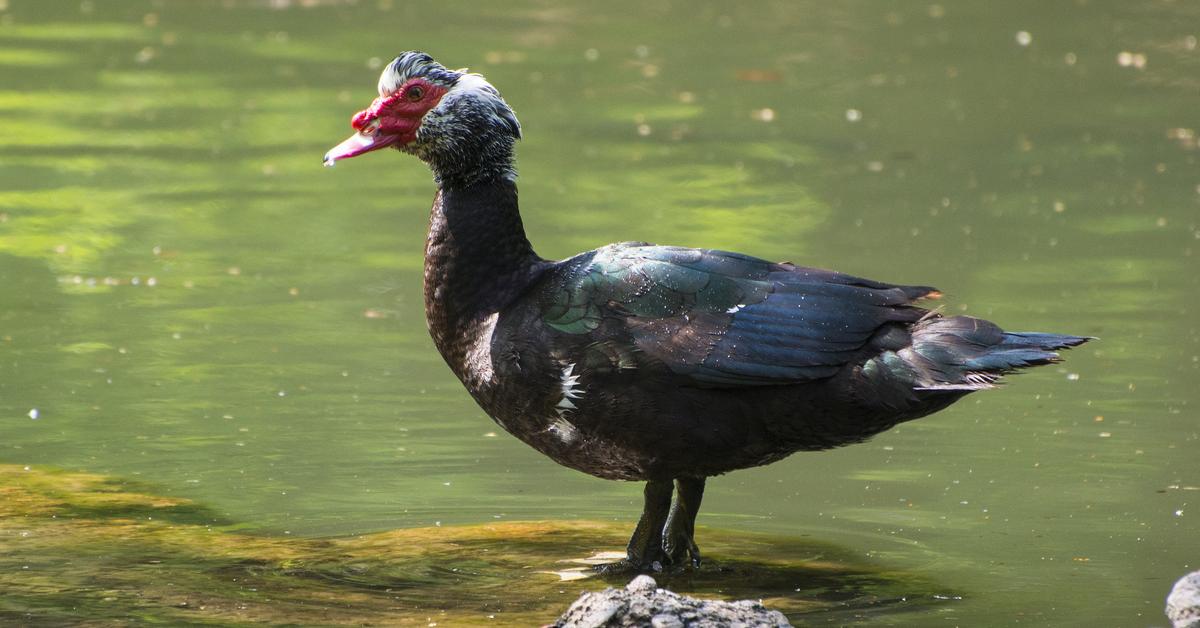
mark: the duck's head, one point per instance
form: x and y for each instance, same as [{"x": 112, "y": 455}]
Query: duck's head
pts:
[{"x": 454, "y": 121}]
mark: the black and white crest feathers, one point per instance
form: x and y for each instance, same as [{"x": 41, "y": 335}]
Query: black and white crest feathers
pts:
[
  {"x": 462, "y": 84},
  {"x": 412, "y": 64}
]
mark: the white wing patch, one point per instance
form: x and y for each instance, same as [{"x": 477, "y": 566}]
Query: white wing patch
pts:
[
  {"x": 569, "y": 386},
  {"x": 569, "y": 383},
  {"x": 735, "y": 309},
  {"x": 565, "y": 431}
]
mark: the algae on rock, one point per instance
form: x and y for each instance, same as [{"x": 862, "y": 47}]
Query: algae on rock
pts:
[{"x": 85, "y": 549}]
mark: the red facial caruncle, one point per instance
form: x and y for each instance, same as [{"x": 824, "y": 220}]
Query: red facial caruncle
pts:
[{"x": 391, "y": 119}]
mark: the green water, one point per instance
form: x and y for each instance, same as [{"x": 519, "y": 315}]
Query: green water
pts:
[{"x": 189, "y": 300}]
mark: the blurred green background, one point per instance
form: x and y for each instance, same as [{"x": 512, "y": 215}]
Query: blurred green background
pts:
[{"x": 187, "y": 298}]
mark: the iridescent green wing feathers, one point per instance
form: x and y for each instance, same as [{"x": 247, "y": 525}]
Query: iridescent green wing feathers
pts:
[
  {"x": 651, "y": 282},
  {"x": 720, "y": 318}
]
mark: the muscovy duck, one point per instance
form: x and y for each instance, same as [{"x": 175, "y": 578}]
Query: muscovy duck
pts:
[{"x": 657, "y": 363}]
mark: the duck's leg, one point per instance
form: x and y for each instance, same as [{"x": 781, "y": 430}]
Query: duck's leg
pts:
[
  {"x": 678, "y": 535},
  {"x": 645, "y": 546}
]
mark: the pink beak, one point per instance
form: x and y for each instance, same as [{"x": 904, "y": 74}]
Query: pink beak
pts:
[{"x": 358, "y": 144}]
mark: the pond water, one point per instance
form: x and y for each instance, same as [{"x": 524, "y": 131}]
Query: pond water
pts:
[{"x": 189, "y": 300}]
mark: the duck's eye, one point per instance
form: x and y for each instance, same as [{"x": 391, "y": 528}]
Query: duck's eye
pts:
[{"x": 414, "y": 93}]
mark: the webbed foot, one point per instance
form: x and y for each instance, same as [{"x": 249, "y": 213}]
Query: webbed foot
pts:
[
  {"x": 625, "y": 567},
  {"x": 679, "y": 532},
  {"x": 664, "y": 537}
]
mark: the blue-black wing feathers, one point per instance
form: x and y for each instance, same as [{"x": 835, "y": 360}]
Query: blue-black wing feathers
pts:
[{"x": 726, "y": 319}]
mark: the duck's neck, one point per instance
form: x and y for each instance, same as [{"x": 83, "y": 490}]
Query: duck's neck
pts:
[{"x": 477, "y": 260}]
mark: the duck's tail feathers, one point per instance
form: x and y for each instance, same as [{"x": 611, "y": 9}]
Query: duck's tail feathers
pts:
[{"x": 962, "y": 353}]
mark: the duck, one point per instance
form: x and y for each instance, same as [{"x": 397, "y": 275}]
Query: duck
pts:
[{"x": 651, "y": 363}]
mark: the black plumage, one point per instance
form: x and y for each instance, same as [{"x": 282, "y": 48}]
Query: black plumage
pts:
[{"x": 658, "y": 363}]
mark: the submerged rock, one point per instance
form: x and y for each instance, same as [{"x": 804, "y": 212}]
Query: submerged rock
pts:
[
  {"x": 642, "y": 603},
  {"x": 1183, "y": 604}
]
